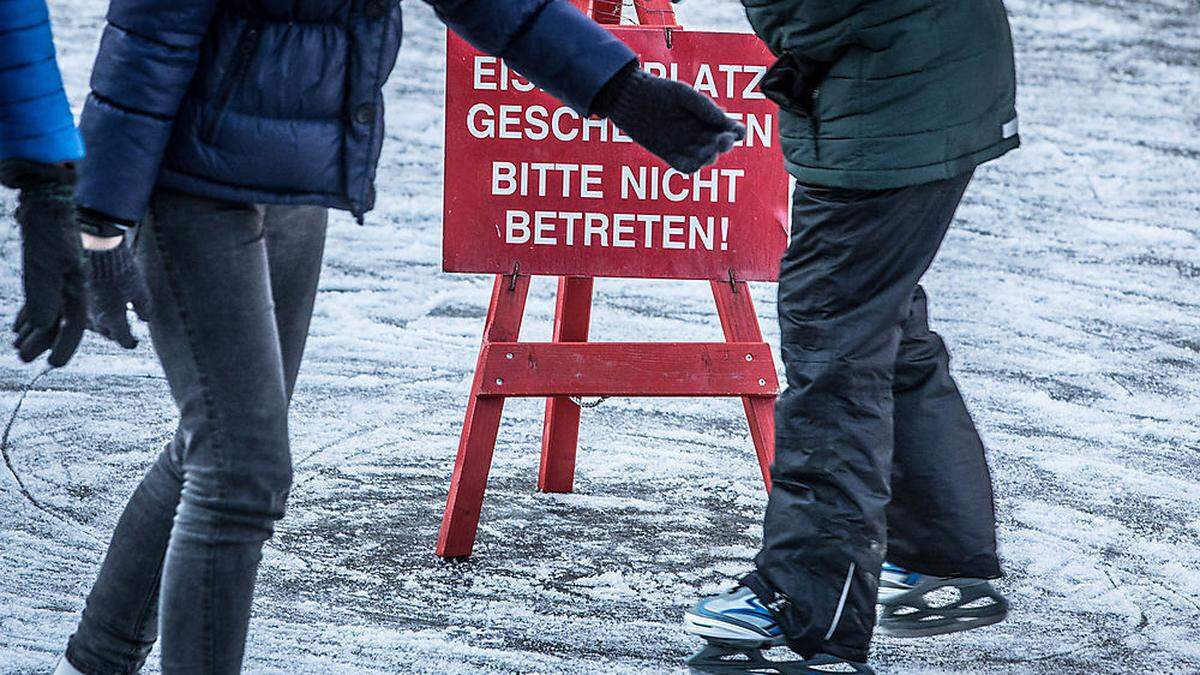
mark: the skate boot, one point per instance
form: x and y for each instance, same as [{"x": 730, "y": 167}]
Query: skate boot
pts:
[
  {"x": 918, "y": 605},
  {"x": 738, "y": 628}
]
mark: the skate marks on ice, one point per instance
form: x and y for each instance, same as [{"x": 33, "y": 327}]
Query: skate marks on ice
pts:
[{"x": 1068, "y": 292}]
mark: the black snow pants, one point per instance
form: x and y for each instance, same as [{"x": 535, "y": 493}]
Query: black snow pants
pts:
[{"x": 876, "y": 454}]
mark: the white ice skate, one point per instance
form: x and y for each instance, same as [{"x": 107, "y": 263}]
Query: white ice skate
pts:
[
  {"x": 738, "y": 627},
  {"x": 919, "y": 605}
]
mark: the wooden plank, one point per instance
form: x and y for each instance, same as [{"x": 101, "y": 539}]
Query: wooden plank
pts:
[
  {"x": 656, "y": 13},
  {"x": 464, "y": 504},
  {"x": 607, "y": 11},
  {"x": 560, "y": 433},
  {"x": 628, "y": 369},
  {"x": 740, "y": 324}
]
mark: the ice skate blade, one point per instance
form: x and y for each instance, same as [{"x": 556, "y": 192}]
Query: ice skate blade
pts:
[
  {"x": 720, "y": 659},
  {"x": 943, "y": 627},
  {"x": 908, "y": 615}
]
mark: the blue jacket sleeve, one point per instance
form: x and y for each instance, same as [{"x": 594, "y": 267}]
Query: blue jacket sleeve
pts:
[
  {"x": 35, "y": 118},
  {"x": 148, "y": 55},
  {"x": 550, "y": 42}
]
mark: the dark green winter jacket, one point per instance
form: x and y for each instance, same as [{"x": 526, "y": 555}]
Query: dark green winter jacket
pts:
[{"x": 881, "y": 94}]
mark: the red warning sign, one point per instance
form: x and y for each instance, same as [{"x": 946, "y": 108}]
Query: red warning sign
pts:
[{"x": 532, "y": 186}]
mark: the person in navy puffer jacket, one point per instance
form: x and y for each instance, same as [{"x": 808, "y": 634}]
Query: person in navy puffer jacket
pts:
[
  {"x": 38, "y": 144},
  {"x": 225, "y": 129}
]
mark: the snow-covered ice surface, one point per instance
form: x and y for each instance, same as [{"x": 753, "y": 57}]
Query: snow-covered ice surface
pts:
[{"x": 1069, "y": 291}]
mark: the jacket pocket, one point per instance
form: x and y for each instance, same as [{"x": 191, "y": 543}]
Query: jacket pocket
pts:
[
  {"x": 793, "y": 81},
  {"x": 235, "y": 72}
]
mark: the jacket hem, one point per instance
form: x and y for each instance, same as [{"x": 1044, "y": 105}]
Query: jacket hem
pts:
[
  {"x": 978, "y": 567},
  {"x": 891, "y": 178},
  {"x": 200, "y": 187}
]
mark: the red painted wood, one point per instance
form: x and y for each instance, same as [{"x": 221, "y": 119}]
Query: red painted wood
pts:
[
  {"x": 628, "y": 369},
  {"x": 607, "y": 11},
  {"x": 649, "y": 12},
  {"x": 740, "y": 323},
  {"x": 475, "y": 446},
  {"x": 656, "y": 13},
  {"x": 570, "y": 366},
  {"x": 560, "y": 434},
  {"x": 760, "y": 413},
  {"x": 515, "y": 194}
]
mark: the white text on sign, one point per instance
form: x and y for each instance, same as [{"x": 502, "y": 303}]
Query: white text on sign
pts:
[{"x": 539, "y": 122}]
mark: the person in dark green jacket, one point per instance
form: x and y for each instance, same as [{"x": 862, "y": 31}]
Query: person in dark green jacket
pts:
[
  {"x": 880, "y": 95},
  {"x": 887, "y": 109}
]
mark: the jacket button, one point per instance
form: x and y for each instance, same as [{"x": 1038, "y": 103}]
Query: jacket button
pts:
[
  {"x": 375, "y": 9},
  {"x": 364, "y": 114}
]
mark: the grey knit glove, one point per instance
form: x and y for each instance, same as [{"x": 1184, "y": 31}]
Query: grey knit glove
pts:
[
  {"x": 116, "y": 283},
  {"x": 668, "y": 118}
]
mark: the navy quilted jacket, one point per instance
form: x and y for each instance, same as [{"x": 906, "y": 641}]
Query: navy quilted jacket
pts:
[{"x": 279, "y": 101}]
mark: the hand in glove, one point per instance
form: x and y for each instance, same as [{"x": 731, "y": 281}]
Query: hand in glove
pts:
[
  {"x": 116, "y": 281},
  {"x": 54, "y": 313},
  {"x": 668, "y": 118}
]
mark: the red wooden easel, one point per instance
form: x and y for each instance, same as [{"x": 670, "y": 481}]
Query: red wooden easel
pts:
[{"x": 570, "y": 366}]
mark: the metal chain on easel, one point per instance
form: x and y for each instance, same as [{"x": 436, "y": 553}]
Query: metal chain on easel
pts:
[{"x": 637, "y": 8}]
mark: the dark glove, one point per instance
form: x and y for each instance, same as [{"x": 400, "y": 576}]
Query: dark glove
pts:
[
  {"x": 116, "y": 283},
  {"x": 54, "y": 314},
  {"x": 668, "y": 118},
  {"x": 792, "y": 81}
]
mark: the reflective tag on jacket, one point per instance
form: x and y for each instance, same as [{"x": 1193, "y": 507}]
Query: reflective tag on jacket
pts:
[{"x": 1010, "y": 128}]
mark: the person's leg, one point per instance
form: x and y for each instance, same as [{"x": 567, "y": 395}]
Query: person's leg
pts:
[
  {"x": 219, "y": 345},
  {"x": 845, "y": 288},
  {"x": 295, "y": 248},
  {"x": 119, "y": 624},
  {"x": 217, "y": 339},
  {"x": 941, "y": 520},
  {"x": 120, "y": 620}
]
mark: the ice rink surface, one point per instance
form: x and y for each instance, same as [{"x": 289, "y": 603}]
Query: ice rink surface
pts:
[{"x": 1069, "y": 291}]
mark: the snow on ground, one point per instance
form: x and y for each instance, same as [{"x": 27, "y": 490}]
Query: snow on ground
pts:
[{"x": 1069, "y": 291}]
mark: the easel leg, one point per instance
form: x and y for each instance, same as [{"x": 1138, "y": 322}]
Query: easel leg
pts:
[
  {"x": 478, "y": 440},
  {"x": 560, "y": 435},
  {"x": 740, "y": 324},
  {"x": 607, "y": 11},
  {"x": 760, "y": 413}
]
